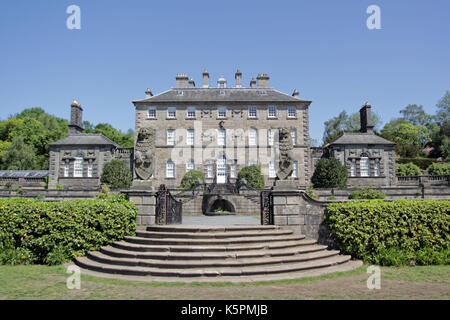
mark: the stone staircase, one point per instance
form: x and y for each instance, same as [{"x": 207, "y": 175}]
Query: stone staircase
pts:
[{"x": 205, "y": 254}]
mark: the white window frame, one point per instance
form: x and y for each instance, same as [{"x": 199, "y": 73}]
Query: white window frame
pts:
[
  {"x": 271, "y": 137},
  {"x": 78, "y": 167},
  {"x": 294, "y": 173},
  {"x": 171, "y": 113},
  {"x": 272, "y": 172},
  {"x": 191, "y": 113},
  {"x": 272, "y": 112},
  {"x": 170, "y": 169},
  {"x": 221, "y": 112},
  {"x": 66, "y": 169},
  {"x": 352, "y": 169},
  {"x": 210, "y": 170},
  {"x": 90, "y": 172},
  {"x": 190, "y": 137},
  {"x": 292, "y": 112},
  {"x": 170, "y": 137},
  {"x": 233, "y": 169},
  {"x": 252, "y": 137},
  {"x": 253, "y": 112},
  {"x": 190, "y": 165},
  {"x": 364, "y": 167},
  {"x": 294, "y": 136},
  {"x": 376, "y": 169},
  {"x": 151, "y": 113},
  {"x": 221, "y": 137}
]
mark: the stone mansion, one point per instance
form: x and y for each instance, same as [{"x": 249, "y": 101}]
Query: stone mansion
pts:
[{"x": 219, "y": 129}]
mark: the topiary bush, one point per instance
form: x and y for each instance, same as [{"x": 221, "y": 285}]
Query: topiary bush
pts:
[
  {"x": 253, "y": 175},
  {"x": 437, "y": 169},
  {"x": 52, "y": 232},
  {"x": 376, "y": 231},
  {"x": 329, "y": 173},
  {"x": 191, "y": 178},
  {"x": 367, "y": 193},
  {"x": 117, "y": 175},
  {"x": 408, "y": 169}
]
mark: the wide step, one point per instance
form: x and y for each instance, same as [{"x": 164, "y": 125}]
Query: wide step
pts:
[{"x": 231, "y": 252}]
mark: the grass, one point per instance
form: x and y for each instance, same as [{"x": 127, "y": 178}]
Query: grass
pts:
[{"x": 49, "y": 283}]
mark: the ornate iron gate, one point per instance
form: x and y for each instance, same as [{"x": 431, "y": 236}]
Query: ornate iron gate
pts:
[
  {"x": 266, "y": 208},
  {"x": 168, "y": 210}
]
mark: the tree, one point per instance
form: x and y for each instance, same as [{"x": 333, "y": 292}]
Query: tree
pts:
[
  {"x": 329, "y": 173},
  {"x": 117, "y": 175},
  {"x": 19, "y": 156},
  {"x": 253, "y": 175},
  {"x": 417, "y": 116},
  {"x": 191, "y": 178},
  {"x": 125, "y": 140},
  {"x": 443, "y": 114},
  {"x": 410, "y": 139},
  {"x": 440, "y": 141},
  {"x": 336, "y": 126}
]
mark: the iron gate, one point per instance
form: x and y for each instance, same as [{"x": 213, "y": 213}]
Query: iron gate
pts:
[
  {"x": 168, "y": 210},
  {"x": 266, "y": 208}
]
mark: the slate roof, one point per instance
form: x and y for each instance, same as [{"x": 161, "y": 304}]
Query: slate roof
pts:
[
  {"x": 360, "y": 138},
  {"x": 23, "y": 173},
  {"x": 85, "y": 139},
  {"x": 213, "y": 95}
]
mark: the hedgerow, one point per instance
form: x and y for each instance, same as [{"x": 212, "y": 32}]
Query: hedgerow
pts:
[
  {"x": 38, "y": 232},
  {"x": 375, "y": 231}
]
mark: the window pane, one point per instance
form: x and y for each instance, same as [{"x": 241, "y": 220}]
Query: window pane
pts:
[
  {"x": 352, "y": 169},
  {"x": 271, "y": 136},
  {"x": 294, "y": 136},
  {"x": 171, "y": 112},
  {"x": 233, "y": 170},
  {"x": 364, "y": 166},
  {"x": 272, "y": 173},
  {"x": 152, "y": 113},
  {"x": 272, "y": 112},
  {"x": 252, "y": 112},
  {"x": 295, "y": 171},
  {"x": 78, "y": 167},
  {"x": 190, "y": 166},
  {"x": 377, "y": 172},
  {"x": 292, "y": 112},
  {"x": 90, "y": 170},
  {"x": 209, "y": 170},
  {"x": 66, "y": 169},
  {"x": 171, "y": 137},
  {"x": 221, "y": 137},
  {"x": 222, "y": 112},
  {"x": 252, "y": 137},
  {"x": 170, "y": 170},
  {"x": 191, "y": 112},
  {"x": 190, "y": 137}
]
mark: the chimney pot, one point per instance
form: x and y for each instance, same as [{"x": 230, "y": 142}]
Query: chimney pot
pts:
[
  {"x": 238, "y": 77},
  {"x": 182, "y": 80},
  {"x": 205, "y": 79},
  {"x": 263, "y": 80}
]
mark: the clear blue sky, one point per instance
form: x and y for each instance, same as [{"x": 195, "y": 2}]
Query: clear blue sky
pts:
[{"x": 322, "y": 48}]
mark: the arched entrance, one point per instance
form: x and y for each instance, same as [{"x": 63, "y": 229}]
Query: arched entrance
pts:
[{"x": 220, "y": 207}]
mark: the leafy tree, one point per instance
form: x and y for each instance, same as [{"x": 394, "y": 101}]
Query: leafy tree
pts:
[
  {"x": 117, "y": 175},
  {"x": 440, "y": 141},
  {"x": 410, "y": 139},
  {"x": 329, "y": 173},
  {"x": 253, "y": 175},
  {"x": 125, "y": 140},
  {"x": 408, "y": 169},
  {"x": 191, "y": 178},
  {"x": 443, "y": 114},
  {"x": 19, "y": 156},
  {"x": 417, "y": 116},
  {"x": 336, "y": 126}
]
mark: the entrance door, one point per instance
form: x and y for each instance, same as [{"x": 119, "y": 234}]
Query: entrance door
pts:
[{"x": 221, "y": 176}]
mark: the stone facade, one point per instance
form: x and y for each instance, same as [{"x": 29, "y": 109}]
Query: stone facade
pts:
[{"x": 225, "y": 122}]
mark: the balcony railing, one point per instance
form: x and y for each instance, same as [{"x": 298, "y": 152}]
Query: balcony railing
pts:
[{"x": 430, "y": 180}]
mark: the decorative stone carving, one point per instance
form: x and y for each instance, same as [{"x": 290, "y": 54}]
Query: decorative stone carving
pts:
[
  {"x": 145, "y": 154},
  {"x": 286, "y": 160}
]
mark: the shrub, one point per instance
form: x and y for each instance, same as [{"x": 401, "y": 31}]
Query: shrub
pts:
[
  {"x": 394, "y": 257},
  {"x": 437, "y": 169},
  {"x": 367, "y": 194},
  {"x": 191, "y": 178},
  {"x": 310, "y": 192},
  {"x": 422, "y": 163},
  {"x": 329, "y": 173},
  {"x": 365, "y": 229},
  {"x": 117, "y": 175},
  {"x": 253, "y": 175},
  {"x": 408, "y": 169},
  {"x": 52, "y": 232}
]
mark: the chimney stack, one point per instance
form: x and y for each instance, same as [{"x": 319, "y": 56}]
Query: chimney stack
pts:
[
  {"x": 191, "y": 83},
  {"x": 253, "y": 83},
  {"x": 366, "y": 119},
  {"x": 263, "y": 80},
  {"x": 296, "y": 93},
  {"x": 148, "y": 93},
  {"x": 76, "y": 118},
  {"x": 205, "y": 79},
  {"x": 182, "y": 80},
  {"x": 238, "y": 77}
]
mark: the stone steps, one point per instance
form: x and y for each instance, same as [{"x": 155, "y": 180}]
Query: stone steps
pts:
[{"x": 197, "y": 253}]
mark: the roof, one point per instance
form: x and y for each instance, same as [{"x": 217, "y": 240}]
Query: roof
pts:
[
  {"x": 23, "y": 173},
  {"x": 214, "y": 95},
  {"x": 360, "y": 138},
  {"x": 85, "y": 139}
]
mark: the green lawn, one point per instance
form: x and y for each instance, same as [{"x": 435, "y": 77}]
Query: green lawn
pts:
[{"x": 45, "y": 282}]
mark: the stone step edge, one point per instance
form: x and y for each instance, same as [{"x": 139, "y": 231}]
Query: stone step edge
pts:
[
  {"x": 92, "y": 265},
  {"x": 182, "y": 248},
  {"x": 215, "y": 235},
  {"x": 209, "y": 264},
  {"x": 199, "y": 229},
  {"x": 122, "y": 253},
  {"x": 167, "y": 241}
]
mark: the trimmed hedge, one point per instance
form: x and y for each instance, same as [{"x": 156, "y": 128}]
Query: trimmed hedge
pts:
[
  {"x": 437, "y": 169},
  {"x": 367, "y": 229},
  {"x": 366, "y": 194},
  {"x": 408, "y": 169},
  {"x": 40, "y": 232},
  {"x": 422, "y": 163}
]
